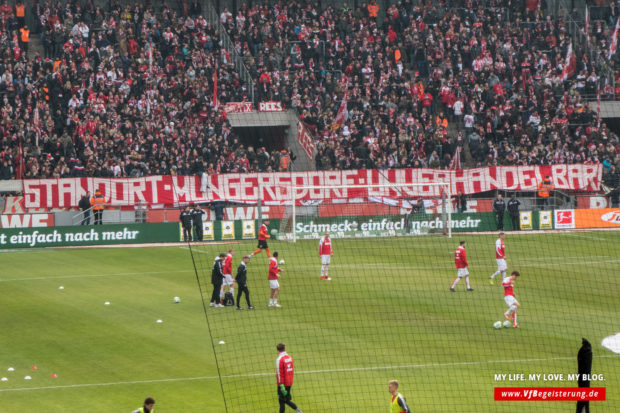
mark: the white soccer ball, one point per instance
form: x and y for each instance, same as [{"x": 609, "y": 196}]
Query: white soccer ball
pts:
[
  {"x": 281, "y": 262},
  {"x": 274, "y": 231},
  {"x": 497, "y": 325},
  {"x": 177, "y": 299},
  {"x": 507, "y": 324}
]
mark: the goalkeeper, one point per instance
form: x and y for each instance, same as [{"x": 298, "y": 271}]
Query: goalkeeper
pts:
[{"x": 285, "y": 373}]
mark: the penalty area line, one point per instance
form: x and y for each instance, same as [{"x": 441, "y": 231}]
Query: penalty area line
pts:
[{"x": 341, "y": 370}]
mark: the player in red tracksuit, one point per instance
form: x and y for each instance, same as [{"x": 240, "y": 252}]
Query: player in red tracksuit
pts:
[
  {"x": 510, "y": 299},
  {"x": 263, "y": 236},
  {"x": 228, "y": 279},
  {"x": 325, "y": 252},
  {"x": 460, "y": 260},
  {"x": 285, "y": 373},
  {"x": 274, "y": 285}
]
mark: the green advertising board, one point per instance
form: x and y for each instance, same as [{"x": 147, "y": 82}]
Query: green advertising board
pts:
[
  {"x": 391, "y": 225},
  {"x": 87, "y": 235}
]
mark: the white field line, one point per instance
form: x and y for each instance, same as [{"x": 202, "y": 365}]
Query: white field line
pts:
[
  {"x": 578, "y": 235},
  {"x": 341, "y": 370},
  {"x": 61, "y": 277}
]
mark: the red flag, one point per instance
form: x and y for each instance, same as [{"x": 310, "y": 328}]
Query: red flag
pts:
[
  {"x": 455, "y": 163},
  {"x": 570, "y": 64},
  {"x": 614, "y": 40},
  {"x": 215, "y": 102},
  {"x": 343, "y": 114}
]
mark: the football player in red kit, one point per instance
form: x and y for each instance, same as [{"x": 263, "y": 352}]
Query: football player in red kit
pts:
[
  {"x": 460, "y": 260},
  {"x": 263, "y": 236}
]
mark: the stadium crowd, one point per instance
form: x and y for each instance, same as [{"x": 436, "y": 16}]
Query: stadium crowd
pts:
[
  {"x": 129, "y": 91},
  {"x": 123, "y": 92},
  {"x": 426, "y": 79}
]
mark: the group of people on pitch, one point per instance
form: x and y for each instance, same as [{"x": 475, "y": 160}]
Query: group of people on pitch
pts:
[
  {"x": 223, "y": 281},
  {"x": 460, "y": 260}
]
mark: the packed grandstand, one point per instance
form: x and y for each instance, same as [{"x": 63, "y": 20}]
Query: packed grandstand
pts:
[{"x": 130, "y": 90}]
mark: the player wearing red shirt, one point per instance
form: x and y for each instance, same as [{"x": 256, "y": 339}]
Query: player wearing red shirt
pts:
[
  {"x": 274, "y": 275},
  {"x": 263, "y": 236},
  {"x": 285, "y": 372},
  {"x": 325, "y": 252},
  {"x": 460, "y": 260},
  {"x": 509, "y": 298},
  {"x": 500, "y": 257},
  {"x": 227, "y": 270}
]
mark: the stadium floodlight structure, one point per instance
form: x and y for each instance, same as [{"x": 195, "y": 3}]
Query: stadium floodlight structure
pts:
[{"x": 358, "y": 211}]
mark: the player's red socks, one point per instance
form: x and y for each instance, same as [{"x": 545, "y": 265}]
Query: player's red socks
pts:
[
  {"x": 257, "y": 251},
  {"x": 268, "y": 253}
]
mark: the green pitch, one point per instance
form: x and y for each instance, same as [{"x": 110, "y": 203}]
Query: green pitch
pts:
[{"x": 387, "y": 314}]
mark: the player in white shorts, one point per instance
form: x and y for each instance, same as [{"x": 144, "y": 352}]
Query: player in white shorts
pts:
[
  {"x": 510, "y": 299},
  {"x": 325, "y": 252},
  {"x": 228, "y": 280},
  {"x": 460, "y": 260},
  {"x": 274, "y": 285},
  {"x": 500, "y": 258}
]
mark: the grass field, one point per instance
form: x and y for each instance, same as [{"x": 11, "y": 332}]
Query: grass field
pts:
[{"x": 388, "y": 313}]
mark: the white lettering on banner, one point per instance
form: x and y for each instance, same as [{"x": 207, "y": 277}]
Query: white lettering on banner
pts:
[
  {"x": 13, "y": 205},
  {"x": 270, "y": 106},
  {"x": 597, "y": 202},
  {"x": 275, "y": 187},
  {"x": 238, "y": 107}
]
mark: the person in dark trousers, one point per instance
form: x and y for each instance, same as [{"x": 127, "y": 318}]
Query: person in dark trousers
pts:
[
  {"x": 149, "y": 406},
  {"x": 242, "y": 283},
  {"x": 218, "y": 207},
  {"x": 513, "y": 211},
  {"x": 285, "y": 372},
  {"x": 461, "y": 202},
  {"x": 186, "y": 223},
  {"x": 217, "y": 278},
  {"x": 499, "y": 207},
  {"x": 197, "y": 217},
  {"x": 84, "y": 205},
  {"x": 98, "y": 203}
]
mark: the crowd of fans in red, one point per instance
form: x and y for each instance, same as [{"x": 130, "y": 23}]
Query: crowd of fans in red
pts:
[
  {"x": 428, "y": 78},
  {"x": 129, "y": 91},
  {"x": 122, "y": 92}
]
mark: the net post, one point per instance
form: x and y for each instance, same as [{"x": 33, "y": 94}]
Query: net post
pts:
[
  {"x": 259, "y": 204},
  {"x": 449, "y": 206},
  {"x": 293, "y": 226}
]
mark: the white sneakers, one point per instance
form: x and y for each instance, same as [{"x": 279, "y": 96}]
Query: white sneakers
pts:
[{"x": 275, "y": 305}]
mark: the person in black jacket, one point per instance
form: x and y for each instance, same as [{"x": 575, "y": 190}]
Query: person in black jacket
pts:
[
  {"x": 461, "y": 202},
  {"x": 84, "y": 205},
  {"x": 217, "y": 278},
  {"x": 513, "y": 211},
  {"x": 499, "y": 207},
  {"x": 197, "y": 217},
  {"x": 186, "y": 222},
  {"x": 242, "y": 279}
]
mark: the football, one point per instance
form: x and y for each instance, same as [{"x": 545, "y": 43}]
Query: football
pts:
[
  {"x": 497, "y": 325},
  {"x": 281, "y": 262},
  {"x": 507, "y": 323},
  {"x": 177, "y": 300},
  {"x": 274, "y": 231}
]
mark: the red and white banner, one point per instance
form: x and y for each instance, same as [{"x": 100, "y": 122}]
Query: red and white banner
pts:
[
  {"x": 238, "y": 107},
  {"x": 305, "y": 140},
  {"x": 276, "y": 187},
  {"x": 26, "y": 220},
  {"x": 270, "y": 106}
]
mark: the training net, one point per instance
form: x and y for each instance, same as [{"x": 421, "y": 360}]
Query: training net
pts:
[{"x": 383, "y": 308}]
